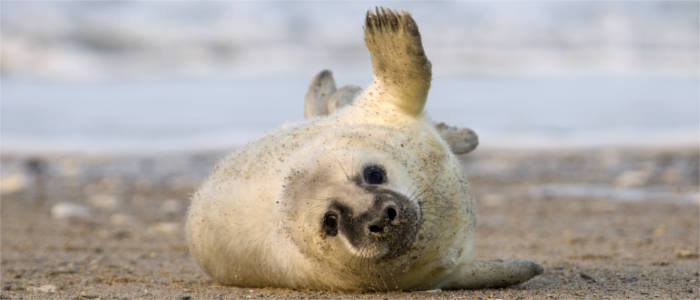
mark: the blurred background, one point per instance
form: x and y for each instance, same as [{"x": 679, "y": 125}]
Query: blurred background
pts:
[{"x": 180, "y": 75}]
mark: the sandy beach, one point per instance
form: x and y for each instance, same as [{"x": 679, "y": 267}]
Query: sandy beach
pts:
[{"x": 605, "y": 223}]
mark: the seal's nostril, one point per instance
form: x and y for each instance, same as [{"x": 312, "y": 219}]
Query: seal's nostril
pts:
[
  {"x": 391, "y": 213},
  {"x": 376, "y": 228}
]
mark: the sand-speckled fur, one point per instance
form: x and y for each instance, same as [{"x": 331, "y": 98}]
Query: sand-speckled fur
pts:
[{"x": 256, "y": 221}]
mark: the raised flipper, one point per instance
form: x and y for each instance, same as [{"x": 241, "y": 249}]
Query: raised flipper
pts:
[
  {"x": 492, "y": 274},
  {"x": 402, "y": 72}
]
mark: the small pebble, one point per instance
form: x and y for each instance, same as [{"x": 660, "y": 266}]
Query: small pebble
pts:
[
  {"x": 64, "y": 210},
  {"x": 587, "y": 277},
  {"x": 629, "y": 280},
  {"x": 122, "y": 234},
  {"x": 69, "y": 167},
  {"x": 686, "y": 254},
  {"x": 492, "y": 200},
  {"x": 12, "y": 183},
  {"x": 164, "y": 227},
  {"x": 171, "y": 207},
  {"x": 104, "y": 201},
  {"x": 634, "y": 178},
  {"x": 121, "y": 219},
  {"x": 47, "y": 288}
]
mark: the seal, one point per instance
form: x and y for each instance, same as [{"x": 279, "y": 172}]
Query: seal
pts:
[{"x": 365, "y": 197}]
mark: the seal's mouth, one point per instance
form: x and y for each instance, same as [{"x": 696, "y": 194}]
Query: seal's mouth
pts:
[{"x": 368, "y": 252}]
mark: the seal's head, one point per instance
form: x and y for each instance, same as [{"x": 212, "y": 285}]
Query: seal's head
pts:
[{"x": 351, "y": 205}]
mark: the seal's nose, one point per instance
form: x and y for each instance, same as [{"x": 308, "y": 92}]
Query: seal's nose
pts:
[
  {"x": 385, "y": 219},
  {"x": 390, "y": 223}
]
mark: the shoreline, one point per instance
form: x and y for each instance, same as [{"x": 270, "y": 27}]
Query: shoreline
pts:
[{"x": 665, "y": 141}]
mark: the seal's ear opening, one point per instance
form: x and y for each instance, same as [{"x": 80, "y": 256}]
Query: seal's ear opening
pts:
[{"x": 401, "y": 70}]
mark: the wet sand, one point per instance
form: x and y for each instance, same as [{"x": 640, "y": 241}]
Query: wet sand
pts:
[{"x": 606, "y": 223}]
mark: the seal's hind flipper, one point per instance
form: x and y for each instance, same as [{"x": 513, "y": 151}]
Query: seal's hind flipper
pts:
[
  {"x": 492, "y": 274},
  {"x": 320, "y": 89},
  {"x": 322, "y": 98},
  {"x": 401, "y": 70},
  {"x": 342, "y": 97}
]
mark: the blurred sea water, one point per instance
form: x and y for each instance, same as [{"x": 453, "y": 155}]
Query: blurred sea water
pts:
[{"x": 135, "y": 76}]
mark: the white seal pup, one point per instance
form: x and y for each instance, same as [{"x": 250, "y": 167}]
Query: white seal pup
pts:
[{"x": 366, "y": 198}]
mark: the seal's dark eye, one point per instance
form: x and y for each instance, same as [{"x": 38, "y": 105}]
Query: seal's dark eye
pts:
[
  {"x": 330, "y": 223},
  {"x": 374, "y": 174}
]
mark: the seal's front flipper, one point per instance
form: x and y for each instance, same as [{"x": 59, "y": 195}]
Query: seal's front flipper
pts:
[
  {"x": 461, "y": 140},
  {"x": 320, "y": 89},
  {"x": 492, "y": 274},
  {"x": 401, "y": 70}
]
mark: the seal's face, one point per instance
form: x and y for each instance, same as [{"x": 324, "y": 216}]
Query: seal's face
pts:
[
  {"x": 385, "y": 229},
  {"x": 350, "y": 207}
]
